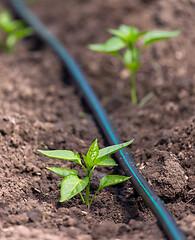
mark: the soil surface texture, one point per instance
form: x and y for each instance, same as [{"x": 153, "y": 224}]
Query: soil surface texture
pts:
[{"x": 41, "y": 109}]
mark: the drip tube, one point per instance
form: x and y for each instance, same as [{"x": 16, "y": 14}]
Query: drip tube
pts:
[{"x": 125, "y": 159}]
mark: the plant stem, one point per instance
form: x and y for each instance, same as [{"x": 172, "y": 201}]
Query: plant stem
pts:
[
  {"x": 91, "y": 171},
  {"x": 82, "y": 197},
  {"x": 133, "y": 88},
  {"x": 94, "y": 196},
  {"x": 87, "y": 188},
  {"x": 84, "y": 169},
  {"x": 87, "y": 194}
]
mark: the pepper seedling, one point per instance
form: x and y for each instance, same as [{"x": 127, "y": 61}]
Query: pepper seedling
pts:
[
  {"x": 71, "y": 184},
  {"x": 126, "y": 38},
  {"x": 11, "y": 31}
]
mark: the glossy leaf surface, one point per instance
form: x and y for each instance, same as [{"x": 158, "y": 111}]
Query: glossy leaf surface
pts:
[
  {"x": 105, "y": 161},
  {"x": 62, "y": 154},
  {"x": 155, "y": 36},
  {"x": 93, "y": 150},
  {"x": 112, "y": 180},
  {"x": 17, "y": 35},
  {"x": 118, "y": 33},
  {"x": 111, "y": 45},
  {"x": 62, "y": 172},
  {"x": 84, "y": 158},
  {"x": 129, "y": 34},
  {"x": 128, "y": 29},
  {"x": 7, "y": 24},
  {"x": 71, "y": 186},
  {"x": 114, "y": 148}
]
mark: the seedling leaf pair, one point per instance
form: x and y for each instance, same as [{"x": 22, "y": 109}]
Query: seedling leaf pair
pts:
[
  {"x": 125, "y": 39},
  {"x": 128, "y": 34},
  {"x": 71, "y": 184},
  {"x": 12, "y": 31}
]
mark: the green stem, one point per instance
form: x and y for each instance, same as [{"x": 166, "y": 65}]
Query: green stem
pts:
[
  {"x": 84, "y": 169},
  {"x": 87, "y": 194},
  {"x": 87, "y": 188},
  {"x": 94, "y": 196},
  {"x": 91, "y": 171},
  {"x": 133, "y": 88},
  {"x": 82, "y": 197}
]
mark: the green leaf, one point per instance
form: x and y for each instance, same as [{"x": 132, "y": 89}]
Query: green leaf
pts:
[
  {"x": 91, "y": 155},
  {"x": 63, "y": 154},
  {"x": 112, "y": 149},
  {"x": 93, "y": 151},
  {"x": 22, "y": 33},
  {"x": 14, "y": 37},
  {"x": 11, "y": 42},
  {"x": 105, "y": 161},
  {"x": 128, "y": 29},
  {"x": 129, "y": 34},
  {"x": 5, "y": 17},
  {"x": 97, "y": 47},
  {"x": 6, "y": 23},
  {"x": 155, "y": 36},
  {"x": 62, "y": 172},
  {"x": 119, "y": 34},
  {"x": 125, "y": 32},
  {"x": 114, "y": 44},
  {"x": 72, "y": 185},
  {"x": 134, "y": 37},
  {"x": 84, "y": 158},
  {"x": 111, "y": 45},
  {"x": 112, "y": 180},
  {"x": 87, "y": 162},
  {"x": 14, "y": 26}
]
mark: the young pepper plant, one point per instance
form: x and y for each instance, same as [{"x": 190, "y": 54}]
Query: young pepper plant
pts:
[
  {"x": 126, "y": 38},
  {"x": 11, "y": 31},
  {"x": 71, "y": 184}
]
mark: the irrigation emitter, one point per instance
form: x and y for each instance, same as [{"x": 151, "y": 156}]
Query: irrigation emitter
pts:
[{"x": 125, "y": 159}]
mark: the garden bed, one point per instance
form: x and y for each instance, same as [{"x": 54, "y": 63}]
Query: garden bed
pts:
[{"x": 40, "y": 111}]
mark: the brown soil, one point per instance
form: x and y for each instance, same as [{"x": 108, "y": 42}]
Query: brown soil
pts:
[{"x": 39, "y": 111}]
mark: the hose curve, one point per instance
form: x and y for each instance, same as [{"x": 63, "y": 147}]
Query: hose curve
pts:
[{"x": 125, "y": 159}]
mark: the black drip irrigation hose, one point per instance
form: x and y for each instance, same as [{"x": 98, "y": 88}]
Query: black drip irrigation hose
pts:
[{"x": 165, "y": 219}]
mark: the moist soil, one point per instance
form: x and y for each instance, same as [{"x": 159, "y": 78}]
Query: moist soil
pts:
[{"x": 41, "y": 109}]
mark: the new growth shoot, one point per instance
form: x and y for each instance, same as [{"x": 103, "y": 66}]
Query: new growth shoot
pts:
[
  {"x": 71, "y": 184},
  {"x": 125, "y": 39},
  {"x": 11, "y": 31}
]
